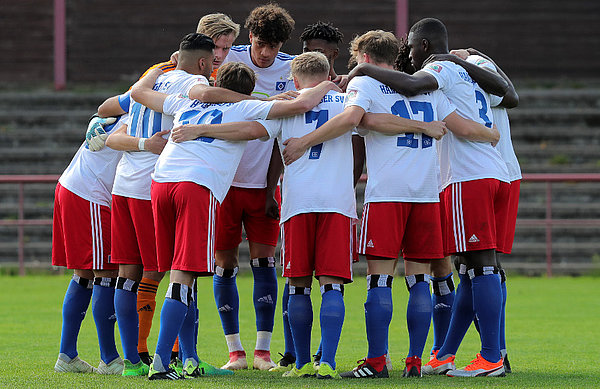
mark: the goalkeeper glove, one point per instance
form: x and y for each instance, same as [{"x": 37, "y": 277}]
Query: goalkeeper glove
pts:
[{"x": 95, "y": 135}]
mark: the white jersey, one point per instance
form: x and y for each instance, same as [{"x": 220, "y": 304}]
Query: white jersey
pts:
[
  {"x": 500, "y": 119},
  {"x": 404, "y": 167},
  {"x": 134, "y": 170},
  {"x": 252, "y": 172},
  {"x": 322, "y": 179},
  {"x": 90, "y": 174},
  {"x": 206, "y": 161},
  {"x": 462, "y": 160}
]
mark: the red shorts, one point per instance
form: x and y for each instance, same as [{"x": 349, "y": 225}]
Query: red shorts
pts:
[
  {"x": 476, "y": 215},
  {"x": 184, "y": 216},
  {"x": 246, "y": 206},
  {"x": 511, "y": 217},
  {"x": 80, "y": 233},
  {"x": 393, "y": 227},
  {"x": 133, "y": 240},
  {"x": 355, "y": 257},
  {"x": 317, "y": 241}
]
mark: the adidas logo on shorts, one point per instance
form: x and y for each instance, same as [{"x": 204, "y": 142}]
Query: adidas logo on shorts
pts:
[
  {"x": 289, "y": 266},
  {"x": 370, "y": 244},
  {"x": 473, "y": 239}
]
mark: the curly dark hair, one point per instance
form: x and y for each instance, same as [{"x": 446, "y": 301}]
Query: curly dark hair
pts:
[
  {"x": 402, "y": 62},
  {"x": 270, "y": 23},
  {"x": 324, "y": 31}
]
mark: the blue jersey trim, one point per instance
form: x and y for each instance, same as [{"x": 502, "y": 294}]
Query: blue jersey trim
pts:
[
  {"x": 240, "y": 48},
  {"x": 124, "y": 101}
]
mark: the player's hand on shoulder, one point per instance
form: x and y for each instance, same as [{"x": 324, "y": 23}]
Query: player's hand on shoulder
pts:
[
  {"x": 496, "y": 134},
  {"x": 95, "y": 136},
  {"x": 440, "y": 57},
  {"x": 460, "y": 53},
  {"x": 186, "y": 132},
  {"x": 436, "y": 129},
  {"x": 341, "y": 81},
  {"x": 294, "y": 149},
  {"x": 332, "y": 86},
  {"x": 272, "y": 208},
  {"x": 358, "y": 70},
  {"x": 156, "y": 143},
  {"x": 289, "y": 95}
]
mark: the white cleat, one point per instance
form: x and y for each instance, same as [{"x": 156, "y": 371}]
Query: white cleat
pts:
[
  {"x": 262, "y": 360},
  {"x": 388, "y": 361},
  {"x": 115, "y": 367},
  {"x": 64, "y": 364},
  {"x": 237, "y": 361}
]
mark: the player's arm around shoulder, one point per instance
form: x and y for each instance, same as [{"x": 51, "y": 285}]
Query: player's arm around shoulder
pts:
[
  {"x": 215, "y": 94},
  {"x": 337, "y": 126},
  {"x": 471, "y": 130},
  {"x": 303, "y": 103},
  {"x": 405, "y": 84},
  {"x": 233, "y": 131},
  {"x": 142, "y": 91},
  {"x": 389, "y": 124}
]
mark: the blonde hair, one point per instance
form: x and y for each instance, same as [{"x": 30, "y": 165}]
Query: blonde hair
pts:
[
  {"x": 217, "y": 25},
  {"x": 381, "y": 46},
  {"x": 311, "y": 64}
]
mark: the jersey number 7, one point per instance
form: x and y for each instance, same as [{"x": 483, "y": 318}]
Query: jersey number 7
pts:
[{"x": 321, "y": 117}]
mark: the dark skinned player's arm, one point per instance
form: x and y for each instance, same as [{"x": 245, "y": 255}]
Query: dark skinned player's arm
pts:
[
  {"x": 273, "y": 174},
  {"x": 488, "y": 80},
  {"x": 405, "y": 84},
  {"x": 358, "y": 149},
  {"x": 511, "y": 98}
]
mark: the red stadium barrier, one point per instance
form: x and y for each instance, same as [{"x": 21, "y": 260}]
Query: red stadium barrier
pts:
[
  {"x": 548, "y": 221},
  {"x": 21, "y": 222}
]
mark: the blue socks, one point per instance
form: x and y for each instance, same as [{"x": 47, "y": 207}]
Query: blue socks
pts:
[
  {"x": 227, "y": 299},
  {"x": 503, "y": 314},
  {"x": 332, "y": 318},
  {"x": 301, "y": 317},
  {"x": 287, "y": 332},
  {"x": 378, "y": 313},
  {"x": 127, "y": 317},
  {"x": 442, "y": 301},
  {"x": 265, "y": 292},
  {"x": 462, "y": 315},
  {"x": 187, "y": 334},
  {"x": 418, "y": 312},
  {"x": 172, "y": 316},
  {"x": 75, "y": 305},
  {"x": 103, "y": 309},
  {"x": 487, "y": 303}
]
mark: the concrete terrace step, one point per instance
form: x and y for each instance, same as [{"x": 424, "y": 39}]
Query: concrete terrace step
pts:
[
  {"x": 63, "y": 101},
  {"x": 559, "y": 98}
]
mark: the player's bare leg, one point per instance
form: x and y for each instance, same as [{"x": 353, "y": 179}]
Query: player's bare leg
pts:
[{"x": 262, "y": 262}]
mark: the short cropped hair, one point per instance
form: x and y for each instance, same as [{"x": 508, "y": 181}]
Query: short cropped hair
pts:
[
  {"x": 310, "y": 64},
  {"x": 324, "y": 31},
  {"x": 431, "y": 29},
  {"x": 236, "y": 76},
  {"x": 403, "y": 62},
  {"x": 217, "y": 25},
  {"x": 381, "y": 46},
  {"x": 270, "y": 23},
  {"x": 195, "y": 41}
]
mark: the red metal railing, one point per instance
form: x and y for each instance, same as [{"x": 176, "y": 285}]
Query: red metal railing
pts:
[
  {"x": 548, "y": 221},
  {"x": 21, "y": 222}
]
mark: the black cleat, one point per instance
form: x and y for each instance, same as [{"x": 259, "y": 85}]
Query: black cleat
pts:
[
  {"x": 507, "y": 368},
  {"x": 146, "y": 358},
  {"x": 365, "y": 370}
]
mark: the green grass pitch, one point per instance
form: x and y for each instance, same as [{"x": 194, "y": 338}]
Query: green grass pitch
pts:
[{"x": 552, "y": 330}]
